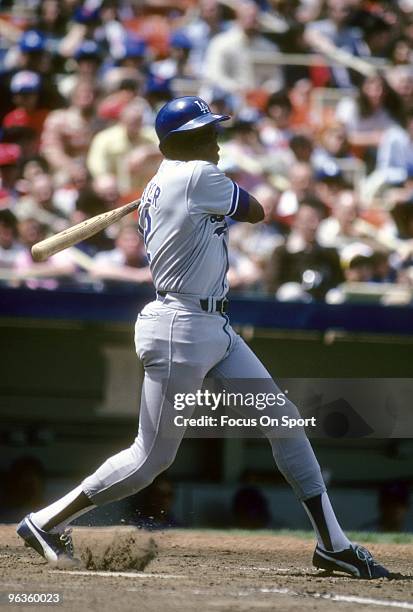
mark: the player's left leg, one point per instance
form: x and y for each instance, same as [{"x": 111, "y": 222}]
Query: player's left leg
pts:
[
  {"x": 293, "y": 455},
  {"x": 296, "y": 460}
]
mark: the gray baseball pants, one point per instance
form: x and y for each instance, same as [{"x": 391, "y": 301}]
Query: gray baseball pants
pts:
[{"x": 179, "y": 344}]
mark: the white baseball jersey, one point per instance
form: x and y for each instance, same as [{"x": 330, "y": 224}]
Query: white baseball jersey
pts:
[{"x": 182, "y": 219}]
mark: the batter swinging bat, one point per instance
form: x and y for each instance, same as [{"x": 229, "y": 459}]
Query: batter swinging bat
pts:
[{"x": 68, "y": 237}]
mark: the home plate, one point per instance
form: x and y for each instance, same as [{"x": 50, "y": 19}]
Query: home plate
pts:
[{"x": 114, "y": 574}]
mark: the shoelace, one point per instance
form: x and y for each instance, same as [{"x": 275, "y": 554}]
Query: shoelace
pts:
[
  {"x": 66, "y": 538},
  {"x": 365, "y": 555}
]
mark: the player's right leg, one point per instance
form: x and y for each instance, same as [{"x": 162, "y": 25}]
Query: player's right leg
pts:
[{"x": 177, "y": 349}]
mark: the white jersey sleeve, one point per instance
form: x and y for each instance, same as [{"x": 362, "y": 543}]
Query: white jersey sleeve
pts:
[{"x": 210, "y": 191}]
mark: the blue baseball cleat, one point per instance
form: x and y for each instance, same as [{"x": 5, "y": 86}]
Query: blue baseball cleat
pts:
[
  {"x": 356, "y": 561},
  {"x": 55, "y": 547}
]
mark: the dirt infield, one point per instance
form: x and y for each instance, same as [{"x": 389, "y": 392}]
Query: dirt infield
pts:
[{"x": 197, "y": 571}]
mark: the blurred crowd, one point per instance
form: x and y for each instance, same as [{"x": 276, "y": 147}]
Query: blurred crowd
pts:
[{"x": 321, "y": 98}]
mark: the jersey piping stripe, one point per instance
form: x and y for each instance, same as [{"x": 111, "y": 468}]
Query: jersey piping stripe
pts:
[
  {"x": 243, "y": 205},
  {"x": 226, "y": 318},
  {"x": 224, "y": 244},
  {"x": 234, "y": 201}
]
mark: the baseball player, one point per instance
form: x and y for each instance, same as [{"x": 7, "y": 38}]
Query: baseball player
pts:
[{"x": 185, "y": 334}]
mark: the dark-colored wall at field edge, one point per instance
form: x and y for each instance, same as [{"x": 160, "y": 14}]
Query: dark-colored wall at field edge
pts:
[{"x": 69, "y": 395}]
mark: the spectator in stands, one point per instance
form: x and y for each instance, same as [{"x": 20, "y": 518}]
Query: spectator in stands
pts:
[
  {"x": 402, "y": 52},
  {"x": 66, "y": 195},
  {"x": 157, "y": 92},
  {"x": 248, "y": 179},
  {"x": 88, "y": 204},
  {"x": 111, "y": 32},
  {"x": 366, "y": 118},
  {"x": 68, "y": 132},
  {"x": 363, "y": 262},
  {"x": 50, "y": 21},
  {"x": 401, "y": 80},
  {"x": 40, "y": 275},
  {"x": 30, "y": 54},
  {"x": 302, "y": 147},
  {"x": 333, "y": 146},
  {"x": 394, "y": 166},
  {"x": 177, "y": 64},
  {"x": 344, "y": 226},
  {"x": 106, "y": 186},
  {"x": 275, "y": 129},
  {"x": 395, "y": 153},
  {"x": 245, "y": 148},
  {"x": 127, "y": 261},
  {"x": 126, "y": 150},
  {"x": 33, "y": 55},
  {"x": 301, "y": 269},
  {"x": 9, "y": 247},
  {"x": 16, "y": 129},
  {"x": 30, "y": 167},
  {"x": 402, "y": 213},
  {"x": 10, "y": 155},
  {"x": 221, "y": 102},
  {"x": 328, "y": 182},
  {"x": 228, "y": 61},
  {"x": 39, "y": 204},
  {"x": 83, "y": 26},
  {"x": 357, "y": 264},
  {"x": 243, "y": 274},
  {"x": 384, "y": 271},
  {"x": 398, "y": 236},
  {"x": 25, "y": 88},
  {"x": 130, "y": 64},
  {"x": 335, "y": 32},
  {"x": 299, "y": 96},
  {"x": 202, "y": 27},
  {"x": 88, "y": 58},
  {"x": 301, "y": 185},
  {"x": 111, "y": 105},
  {"x": 377, "y": 33},
  {"x": 87, "y": 62}
]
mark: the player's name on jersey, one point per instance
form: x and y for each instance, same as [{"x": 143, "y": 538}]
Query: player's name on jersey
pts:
[{"x": 227, "y": 421}]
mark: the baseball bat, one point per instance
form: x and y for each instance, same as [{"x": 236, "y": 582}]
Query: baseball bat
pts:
[{"x": 68, "y": 237}]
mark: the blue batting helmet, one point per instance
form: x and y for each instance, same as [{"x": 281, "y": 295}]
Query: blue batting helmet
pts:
[{"x": 184, "y": 114}]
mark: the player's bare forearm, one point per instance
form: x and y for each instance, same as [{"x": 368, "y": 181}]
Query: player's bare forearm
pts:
[{"x": 255, "y": 211}]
